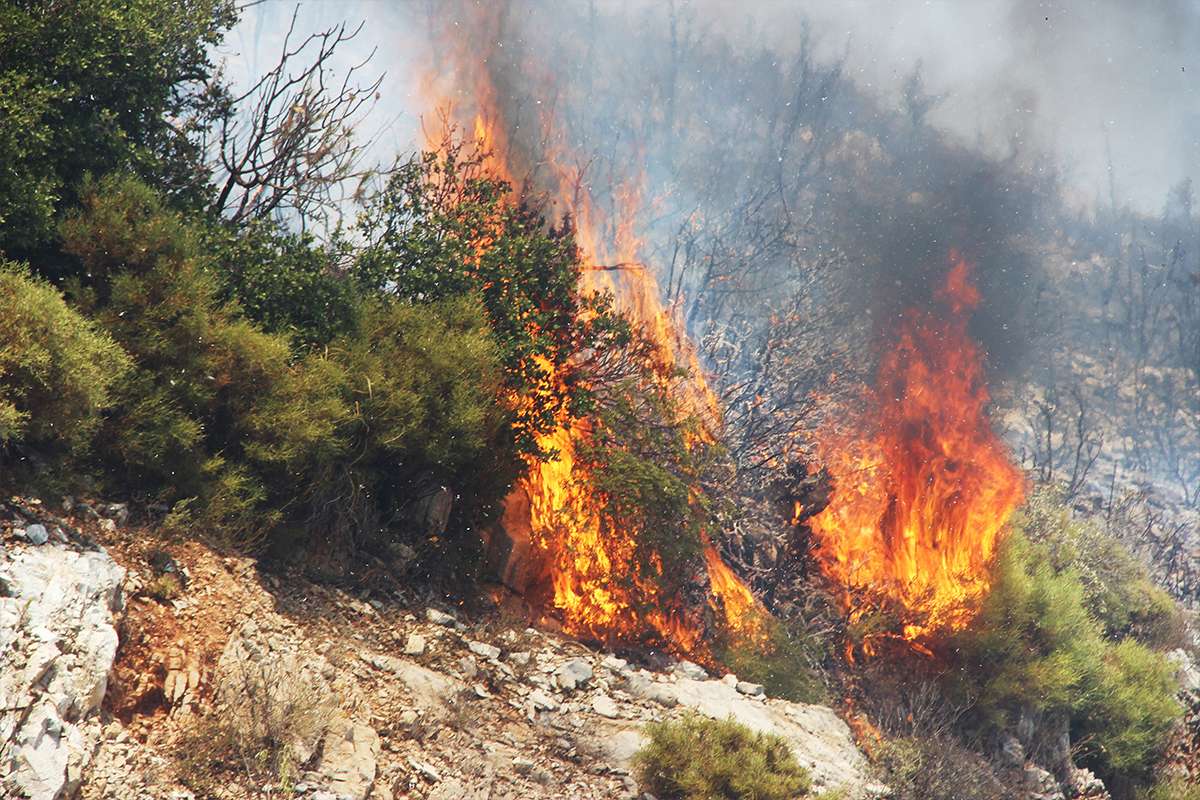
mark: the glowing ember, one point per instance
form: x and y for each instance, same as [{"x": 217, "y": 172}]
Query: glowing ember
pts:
[{"x": 922, "y": 486}]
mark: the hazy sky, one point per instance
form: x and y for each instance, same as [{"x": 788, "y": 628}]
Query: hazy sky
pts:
[{"x": 1080, "y": 78}]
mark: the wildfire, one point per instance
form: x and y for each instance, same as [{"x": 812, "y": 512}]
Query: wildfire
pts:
[
  {"x": 589, "y": 560},
  {"x": 922, "y": 486}
]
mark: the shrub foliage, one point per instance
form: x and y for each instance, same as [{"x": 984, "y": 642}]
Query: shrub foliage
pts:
[
  {"x": 57, "y": 369},
  {"x": 696, "y": 758}
]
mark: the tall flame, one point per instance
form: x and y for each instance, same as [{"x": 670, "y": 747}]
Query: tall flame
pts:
[
  {"x": 922, "y": 486},
  {"x": 590, "y": 561}
]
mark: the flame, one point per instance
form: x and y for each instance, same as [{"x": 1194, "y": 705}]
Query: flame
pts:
[
  {"x": 590, "y": 561},
  {"x": 922, "y": 486}
]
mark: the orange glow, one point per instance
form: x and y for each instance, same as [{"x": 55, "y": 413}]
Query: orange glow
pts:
[
  {"x": 922, "y": 486},
  {"x": 590, "y": 561}
]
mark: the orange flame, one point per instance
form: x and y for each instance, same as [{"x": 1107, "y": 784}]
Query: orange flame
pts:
[
  {"x": 922, "y": 486},
  {"x": 590, "y": 563}
]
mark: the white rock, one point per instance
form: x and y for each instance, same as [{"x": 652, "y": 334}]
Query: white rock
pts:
[
  {"x": 348, "y": 759},
  {"x": 520, "y": 659},
  {"x": 617, "y": 665},
  {"x": 484, "y": 650},
  {"x": 37, "y": 534},
  {"x": 414, "y": 645},
  {"x": 820, "y": 740},
  {"x": 573, "y": 674},
  {"x": 686, "y": 669},
  {"x": 440, "y": 618},
  {"x": 604, "y": 705},
  {"x": 542, "y": 701},
  {"x": 752, "y": 689},
  {"x": 57, "y": 644}
]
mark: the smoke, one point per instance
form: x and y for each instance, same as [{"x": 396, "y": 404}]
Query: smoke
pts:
[
  {"x": 741, "y": 119},
  {"x": 1091, "y": 82}
]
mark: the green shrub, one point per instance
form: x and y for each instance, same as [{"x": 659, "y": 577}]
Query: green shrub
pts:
[
  {"x": 1117, "y": 587},
  {"x": 286, "y": 283},
  {"x": 180, "y": 424},
  {"x": 786, "y": 664},
  {"x": 98, "y": 86},
  {"x": 406, "y": 402},
  {"x": 695, "y": 758},
  {"x": 57, "y": 370},
  {"x": 1034, "y": 646}
]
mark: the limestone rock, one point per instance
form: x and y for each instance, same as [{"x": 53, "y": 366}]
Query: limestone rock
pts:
[
  {"x": 484, "y": 650},
  {"x": 440, "y": 618},
  {"x": 820, "y": 740},
  {"x": 603, "y": 705},
  {"x": 686, "y": 669},
  {"x": 415, "y": 645},
  {"x": 57, "y": 644},
  {"x": 573, "y": 674},
  {"x": 348, "y": 759}
]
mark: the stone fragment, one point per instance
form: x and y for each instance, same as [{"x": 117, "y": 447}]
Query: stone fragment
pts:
[
  {"x": 414, "y": 645},
  {"x": 752, "y": 689},
  {"x": 605, "y": 706},
  {"x": 349, "y": 754},
  {"x": 542, "y": 701},
  {"x": 691, "y": 671},
  {"x": 573, "y": 674},
  {"x": 484, "y": 650},
  {"x": 36, "y": 534},
  {"x": 642, "y": 687},
  {"x": 440, "y": 617},
  {"x": 520, "y": 659},
  {"x": 426, "y": 771}
]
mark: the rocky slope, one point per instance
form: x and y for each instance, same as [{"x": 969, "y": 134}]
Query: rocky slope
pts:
[{"x": 375, "y": 698}]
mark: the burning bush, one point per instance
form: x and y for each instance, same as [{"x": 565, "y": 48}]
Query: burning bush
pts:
[{"x": 445, "y": 225}]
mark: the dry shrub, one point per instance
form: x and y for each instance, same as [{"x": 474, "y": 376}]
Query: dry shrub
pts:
[
  {"x": 267, "y": 724},
  {"x": 935, "y": 769}
]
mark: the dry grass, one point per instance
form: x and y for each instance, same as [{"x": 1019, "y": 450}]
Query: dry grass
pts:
[{"x": 267, "y": 726}]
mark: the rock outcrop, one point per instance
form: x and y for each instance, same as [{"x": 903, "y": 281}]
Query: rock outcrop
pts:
[{"x": 57, "y": 644}]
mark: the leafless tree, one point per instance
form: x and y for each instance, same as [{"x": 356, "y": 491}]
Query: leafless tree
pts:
[
  {"x": 287, "y": 147},
  {"x": 1067, "y": 439}
]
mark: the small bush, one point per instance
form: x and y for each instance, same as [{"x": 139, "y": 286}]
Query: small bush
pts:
[
  {"x": 786, "y": 664},
  {"x": 267, "y": 724},
  {"x": 695, "y": 758},
  {"x": 57, "y": 370},
  {"x": 918, "y": 768}
]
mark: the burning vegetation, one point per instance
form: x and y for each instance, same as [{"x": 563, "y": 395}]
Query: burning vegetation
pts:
[
  {"x": 659, "y": 330},
  {"x": 922, "y": 486}
]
